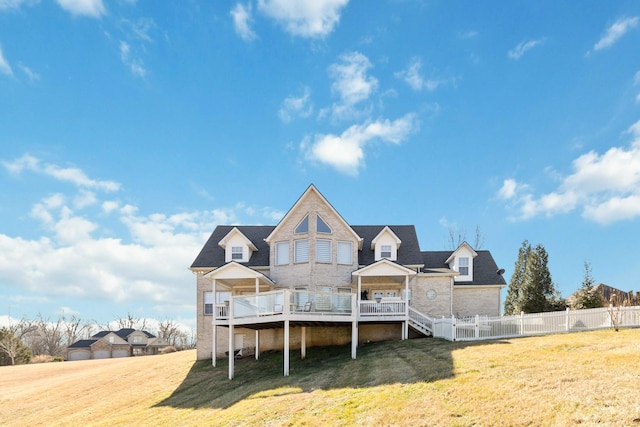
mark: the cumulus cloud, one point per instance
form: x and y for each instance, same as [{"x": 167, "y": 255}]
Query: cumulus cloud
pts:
[
  {"x": 615, "y": 32},
  {"x": 606, "y": 187},
  {"x": 72, "y": 175},
  {"x": 242, "y": 20},
  {"x": 304, "y": 18},
  {"x": 412, "y": 75},
  {"x": 345, "y": 152},
  {"x": 296, "y": 106},
  {"x": 90, "y": 8},
  {"x": 522, "y": 47},
  {"x": 5, "y": 68}
]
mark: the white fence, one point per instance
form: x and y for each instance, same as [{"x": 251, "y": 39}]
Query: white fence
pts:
[{"x": 485, "y": 327}]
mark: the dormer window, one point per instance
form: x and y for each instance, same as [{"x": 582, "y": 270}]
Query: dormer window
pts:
[
  {"x": 236, "y": 253},
  {"x": 385, "y": 251},
  {"x": 321, "y": 226},
  {"x": 303, "y": 227},
  {"x": 463, "y": 266}
]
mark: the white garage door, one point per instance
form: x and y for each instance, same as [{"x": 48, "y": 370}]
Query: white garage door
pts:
[
  {"x": 120, "y": 353},
  {"x": 101, "y": 354},
  {"x": 80, "y": 355}
]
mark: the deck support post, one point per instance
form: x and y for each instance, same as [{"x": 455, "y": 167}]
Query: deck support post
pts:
[
  {"x": 303, "y": 343},
  {"x": 214, "y": 328},
  {"x": 286, "y": 348},
  {"x": 257, "y": 344},
  {"x": 232, "y": 355},
  {"x": 354, "y": 338}
]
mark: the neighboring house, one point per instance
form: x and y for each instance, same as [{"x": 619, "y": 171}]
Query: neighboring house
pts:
[
  {"x": 111, "y": 344},
  {"x": 314, "y": 279},
  {"x": 609, "y": 295}
]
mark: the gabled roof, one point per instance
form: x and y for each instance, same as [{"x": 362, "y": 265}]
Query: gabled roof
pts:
[
  {"x": 313, "y": 189},
  {"x": 387, "y": 265},
  {"x": 458, "y": 249},
  {"x": 408, "y": 253},
  {"x": 246, "y": 272},
  {"x": 485, "y": 270},
  {"x": 223, "y": 243},
  {"x": 386, "y": 229},
  {"x": 212, "y": 255}
]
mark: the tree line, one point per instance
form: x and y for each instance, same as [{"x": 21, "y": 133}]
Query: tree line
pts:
[
  {"x": 43, "y": 336},
  {"x": 531, "y": 288}
]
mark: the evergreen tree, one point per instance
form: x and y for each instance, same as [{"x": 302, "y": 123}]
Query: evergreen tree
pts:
[
  {"x": 531, "y": 289},
  {"x": 512, "y": 300},
  {"x": 587, "y": 297}
]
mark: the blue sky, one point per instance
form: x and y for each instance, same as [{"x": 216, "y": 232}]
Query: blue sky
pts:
[{"x": 130, "y": 129}]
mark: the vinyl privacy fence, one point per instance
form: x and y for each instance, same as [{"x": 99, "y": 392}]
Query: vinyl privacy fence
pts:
[{"x": 485, "y": 327}]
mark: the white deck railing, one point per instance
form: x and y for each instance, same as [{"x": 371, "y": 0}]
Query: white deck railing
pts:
[
  {"x": 383, "y": 308},
  {"x": 486, "y": 327}
]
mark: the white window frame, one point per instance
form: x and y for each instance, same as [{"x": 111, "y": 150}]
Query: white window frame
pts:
[
  {"x": 235, "y": 251},
  {"x": 208, "y": 303},
  {"x": 300, "y": 251},
  {"x": 463, "y": 262},
  {"x": 281, "y": 258},
  {"x": 383, "y": 251},
  {"x": 323, "y": 251},
  {"x": 345, "y": 253}
]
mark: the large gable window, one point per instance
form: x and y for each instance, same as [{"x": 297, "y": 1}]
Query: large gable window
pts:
[
  {"x": 323, "y": 250},
  {"x": 322, "y": 226},
  {"x": 345, "y": 253},
  {"x": 303, "y": 227},
  {"x": 282, "y": 253},
  {"x": 463, "y": 266},
  {"x": 301, "y": 251}
]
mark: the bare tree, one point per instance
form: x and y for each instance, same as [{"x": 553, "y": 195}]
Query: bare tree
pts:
[
  {"x": 13, "y": 348},
  {"x": 132, "y": 322},
  {"x": 479, "y": 239},
  {"x": 169, "y": 330},
  {"x": 458, "y": 235}
]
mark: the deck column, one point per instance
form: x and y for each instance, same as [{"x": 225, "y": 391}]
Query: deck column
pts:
[
  {"x": 257, "y": 344},
  {"x": 354, "y": 338},
  {"x": 232, "y": 357},
  {"x": 286, "y": 348},
  {"x": 303, "y": 343},
  {"x": 214, "y": 334}
]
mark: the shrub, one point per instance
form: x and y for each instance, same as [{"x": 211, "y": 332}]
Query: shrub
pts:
[{"x": 170, "y": 349}]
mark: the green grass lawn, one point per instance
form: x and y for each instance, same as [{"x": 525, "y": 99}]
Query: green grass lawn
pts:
[{"x": 589, "y": 378}]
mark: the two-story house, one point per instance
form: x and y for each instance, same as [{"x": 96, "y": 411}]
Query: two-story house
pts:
[{"x": 314, "y": 279}]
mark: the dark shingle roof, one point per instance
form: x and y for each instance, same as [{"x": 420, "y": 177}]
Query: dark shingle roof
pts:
[
  {"x": 409, "y": 252},
  {"x": 212, "y": 255},
  {"x": 485, "y": 269},
  {"x": 124, "y": 332},
  {"x": 82, "y": 344},
  {"x": 100, "y": 334}
]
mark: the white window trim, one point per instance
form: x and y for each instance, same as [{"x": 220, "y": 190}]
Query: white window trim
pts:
[
  {"x": 237, "y": 250},
  {"x": 296, "y": 251},
  {"x": 382, "y": 251},
  {"x": 208, "y": 301}
]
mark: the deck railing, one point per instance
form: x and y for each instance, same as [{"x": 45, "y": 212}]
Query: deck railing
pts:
[{"x": 382, "y": 308}]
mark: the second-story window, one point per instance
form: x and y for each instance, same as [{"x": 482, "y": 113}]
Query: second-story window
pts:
[
  {"x": 282, "y": 253},
  {"x": 322, "y": 226},
  {"x": 301, "y": 251},
  {"x": 303, "y": 227},
  {"x": 463, "y": 266},
  {"x": 236, "y": 253},
  {"x": 385, "y": 251},
  {"x": 323, "y": 250}
]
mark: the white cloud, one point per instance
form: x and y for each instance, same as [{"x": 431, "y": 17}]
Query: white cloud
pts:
[
  {"x": 242, "y": 21},
  {"x": 345, "y": 152},
  {"x": 91, "y": 8},
  {"x": 5, "y": 68},
  {"x": 296, "y": 106},
  {"x": 304, "y": 18},
  {"x": 522, "y": 47},
  {"x": 72, "y": 175},
  {"x": 605, "y": 186},
  {"x": 636, "y": 78},
  {"x": 413, "y": 77},
  {"x": 136, "y": 65},
  {"x": 615, "y": 32},
  {"x": 31, "y": 75}
]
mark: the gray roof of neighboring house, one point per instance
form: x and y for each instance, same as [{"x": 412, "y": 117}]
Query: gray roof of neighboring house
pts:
[
  {"x": 485, "y": 269},
  {"x": 82, "y": 344},
  {"x": 122, "y": 333}
]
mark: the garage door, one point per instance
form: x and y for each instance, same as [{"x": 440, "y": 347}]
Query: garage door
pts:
[
  {"x": 101, "y": 354},
  {"x": 80, "y": 355},
  {"x": 120, "y": 353}
]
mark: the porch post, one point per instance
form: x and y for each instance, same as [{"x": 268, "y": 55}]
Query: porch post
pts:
[
  {"x": 257, "y": 285},
  {"x": 357, "y": 311},
  {"x": 355, "y": 302},
  {"x": 405, "y": 324},
  {"x": 303, "y": 343},
  {"x": 286, "y": 348},
  {"x": 214, "y": 333},
  {"x": 232, "y": 355}
]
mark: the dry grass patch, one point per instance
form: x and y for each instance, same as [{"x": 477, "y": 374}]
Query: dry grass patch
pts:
[{"x": 589, "y": 378}]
